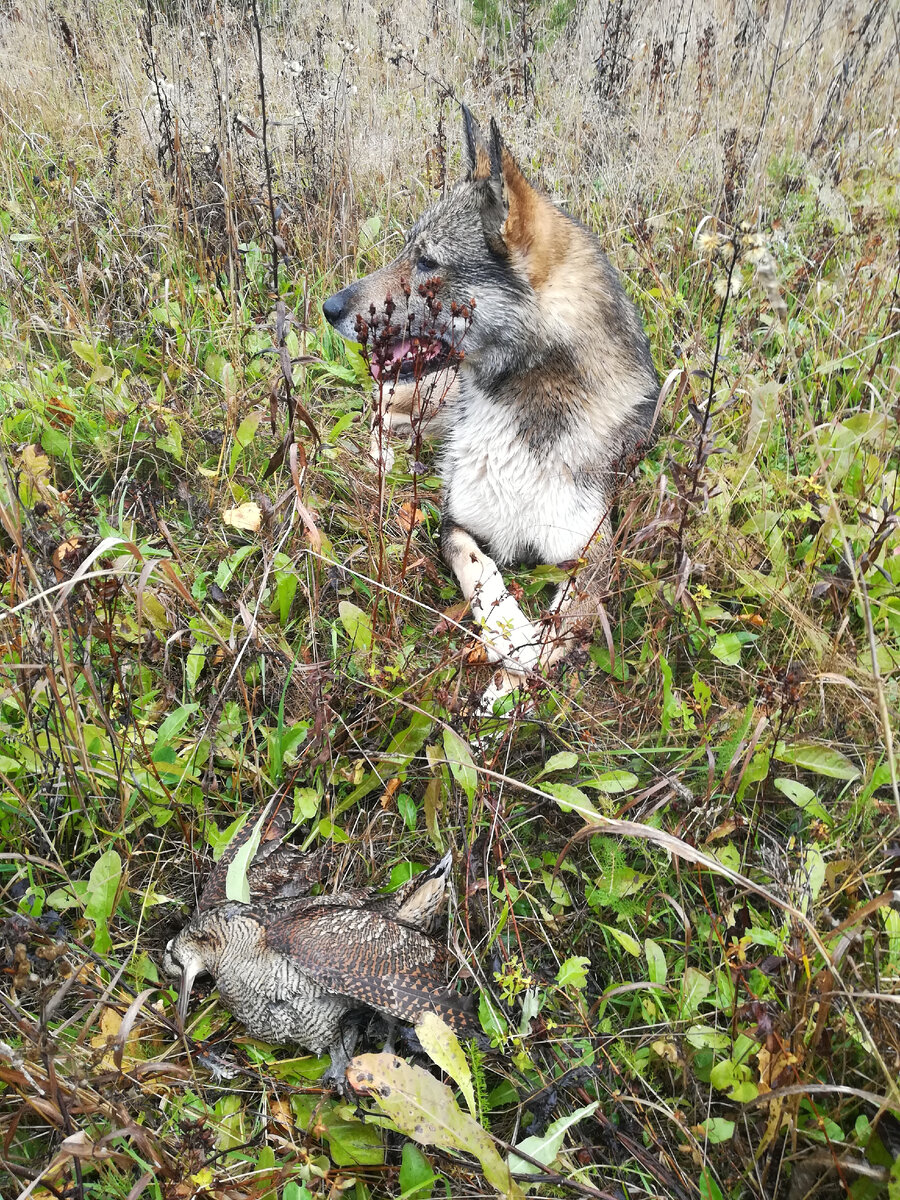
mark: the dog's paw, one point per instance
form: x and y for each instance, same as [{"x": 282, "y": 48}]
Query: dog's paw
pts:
[
  {"x": 508, "y": 635},
  {"x": 505, "y": 687}
]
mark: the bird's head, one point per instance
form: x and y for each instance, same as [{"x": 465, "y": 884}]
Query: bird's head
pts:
[{"x": 195, "y": 951}]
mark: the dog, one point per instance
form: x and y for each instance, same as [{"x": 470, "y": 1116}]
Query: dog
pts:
[{"x": 503, "y": 329}]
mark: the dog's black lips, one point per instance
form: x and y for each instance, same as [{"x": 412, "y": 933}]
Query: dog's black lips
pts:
[{"x": 412, "y": 358}]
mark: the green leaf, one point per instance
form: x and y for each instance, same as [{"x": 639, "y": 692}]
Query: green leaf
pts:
[
  {"x": 416, "y": 1173},
  {"x": 354, "y": 1144},
  {"x": 704, "y": 1037},
  {"x": 357, "y": 623},
  {"x": 726, "y": 647},
  {"x": 91, "y": 356},
  {"x": 491, "y": 1019},
  {"x": 573, "y": 973},
  {"x": 194, "y": 664},
  {"x": 709, "y": 1189},
  {"x": 102, "y": 887},
  {"x": 547, "y": 1147},
  {"x": 657, "y": 969},
  {"x": 229, "y": 565},
  {"x": 695, "y": 987},
  {"x": 612, "y": 782},
  {"x": 572, "y": 799},
  {"x": 459, "y": 759},
  {"x": 442, "y": 1046},
  {"x": 629, "y": 944},
  {"x": 246, "y": 431},
  {"x": 171, "y": 727},
  {"x": 410, "y": 740},
  {"x": 424, "y": 1109},
  {"x": 803, "y": 797},
  {"x": 717, "y": 1129},
  {"x": 563, "y": 761},
  {"x": 408, "y": 810},
  {"x": 306, "y": 804},
  {"x": 822, "y": 760},
  {"x": 236, "y": 885}
]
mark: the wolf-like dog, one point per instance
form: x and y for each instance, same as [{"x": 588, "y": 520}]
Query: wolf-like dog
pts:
[{"x": 553, "y": 399}]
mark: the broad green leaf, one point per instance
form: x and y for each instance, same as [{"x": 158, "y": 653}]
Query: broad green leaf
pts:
[
  {"x": 229, "y": 565},
  {"x": 572, "y": 799},
  {"x": 822, "y": 760},
  {"x": 424, "y": 1109},
  {"x": 717, "y": 1129},
  {"x": 573, "y": 973},
  {"x": 695, "y": 987},
  {"x": 246, "y": 431},
  {"x": 492, "y": 1020},
  {"x": 803, "y": 797},
  {"x": 629, "y": 944},
  {"x": 726, "y": 647},
  {"x": 563, "y": 761},
  {"x": 102, "y": 887},
  {"x": 442, "y": 1046},
  {"x": 612, "y": 782},
  {"x": 236, "y": 885},
  {"x": 194, "y": 664},
  {"x": 709, "y": 1189},
  {"x": 417, "y": 1175},
  {"x": 460, "y": 761},
  {"x": 657, "y": 969},
  {"x": 547, "y": 1147},
  {"x": 704, "y": 1037},
  {"x": 91, "y": 355},
  {"x": 173, "y": 724},
  {"x": 357, "y": 623},
  {"x": 409, "y": 740},
  {"x": 354, "y": 1144},
  {"x": 306, "y": 804}
]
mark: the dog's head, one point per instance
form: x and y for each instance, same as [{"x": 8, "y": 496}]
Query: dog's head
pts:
[{"x": 468, "y": 274}]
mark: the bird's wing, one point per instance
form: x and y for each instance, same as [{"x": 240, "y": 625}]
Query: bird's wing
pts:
[
  {"x": 379, "y": 962},
  {"x": 276, "y": 869}
]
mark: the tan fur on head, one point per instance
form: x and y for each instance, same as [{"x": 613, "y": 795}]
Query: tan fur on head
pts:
[
  {"x": 533, "y": 227},
  {"x": 482, "y": 168}
]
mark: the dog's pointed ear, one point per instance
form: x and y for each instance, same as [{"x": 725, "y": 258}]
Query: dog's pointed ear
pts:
[
  {"x": 478, "y": 159},
  {"x": 485, "y": 171},
  {"x": 531, "y": 226},
  {"x": 519, "y": 197}
]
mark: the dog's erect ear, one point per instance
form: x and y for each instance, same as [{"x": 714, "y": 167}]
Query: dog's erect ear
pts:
[
  {"x": 478, "y": 158},
  {"x": 485, "y": 171},
  {"x": 531, "y": 225}
]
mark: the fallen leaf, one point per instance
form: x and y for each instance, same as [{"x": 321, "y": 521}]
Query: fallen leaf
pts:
[
  {"x": 425, "y": 1110},
  {"x": 246, "y": 516}
]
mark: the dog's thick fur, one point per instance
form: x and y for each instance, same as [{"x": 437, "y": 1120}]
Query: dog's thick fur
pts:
[{"x": 553, "y": 399}]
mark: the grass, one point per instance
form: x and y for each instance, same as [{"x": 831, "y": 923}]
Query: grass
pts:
[{"x": 200, "y": 616}]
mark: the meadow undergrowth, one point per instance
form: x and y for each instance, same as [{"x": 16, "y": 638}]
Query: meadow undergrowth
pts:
[{"x": 209, "y": 598}]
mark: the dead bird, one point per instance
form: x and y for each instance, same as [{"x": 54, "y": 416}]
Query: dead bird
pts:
[{"x": 291, "y": 966}]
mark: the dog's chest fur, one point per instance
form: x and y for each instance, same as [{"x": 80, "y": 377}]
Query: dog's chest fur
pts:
[{"x": 517, "y": 478}]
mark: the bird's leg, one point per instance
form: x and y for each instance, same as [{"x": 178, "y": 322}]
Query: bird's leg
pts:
[{"x": 341, "y": 1051}]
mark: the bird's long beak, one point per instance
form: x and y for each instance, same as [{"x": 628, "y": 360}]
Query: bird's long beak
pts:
[{"x": 188, "y": 975}]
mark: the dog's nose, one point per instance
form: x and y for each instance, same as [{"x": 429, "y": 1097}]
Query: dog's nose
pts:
[{"x": 333, "y": 308}]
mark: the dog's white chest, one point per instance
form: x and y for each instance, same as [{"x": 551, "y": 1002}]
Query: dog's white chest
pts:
[{"x": 517, "y": 499}]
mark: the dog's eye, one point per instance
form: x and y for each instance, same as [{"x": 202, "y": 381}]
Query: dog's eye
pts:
[{"x": 426, "y": 265}]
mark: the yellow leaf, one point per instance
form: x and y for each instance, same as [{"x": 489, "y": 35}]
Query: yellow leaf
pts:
[{"x": 246, "y": 516}]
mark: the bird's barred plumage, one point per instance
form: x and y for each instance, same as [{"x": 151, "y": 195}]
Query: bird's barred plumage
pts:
[{"x": 291, "y": 965}]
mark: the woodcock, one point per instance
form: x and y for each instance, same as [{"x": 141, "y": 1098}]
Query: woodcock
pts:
[{"x": 290, "y": 966}]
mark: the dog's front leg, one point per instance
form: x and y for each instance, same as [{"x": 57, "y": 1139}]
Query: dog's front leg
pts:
[{"x": 508, "y": 635}]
